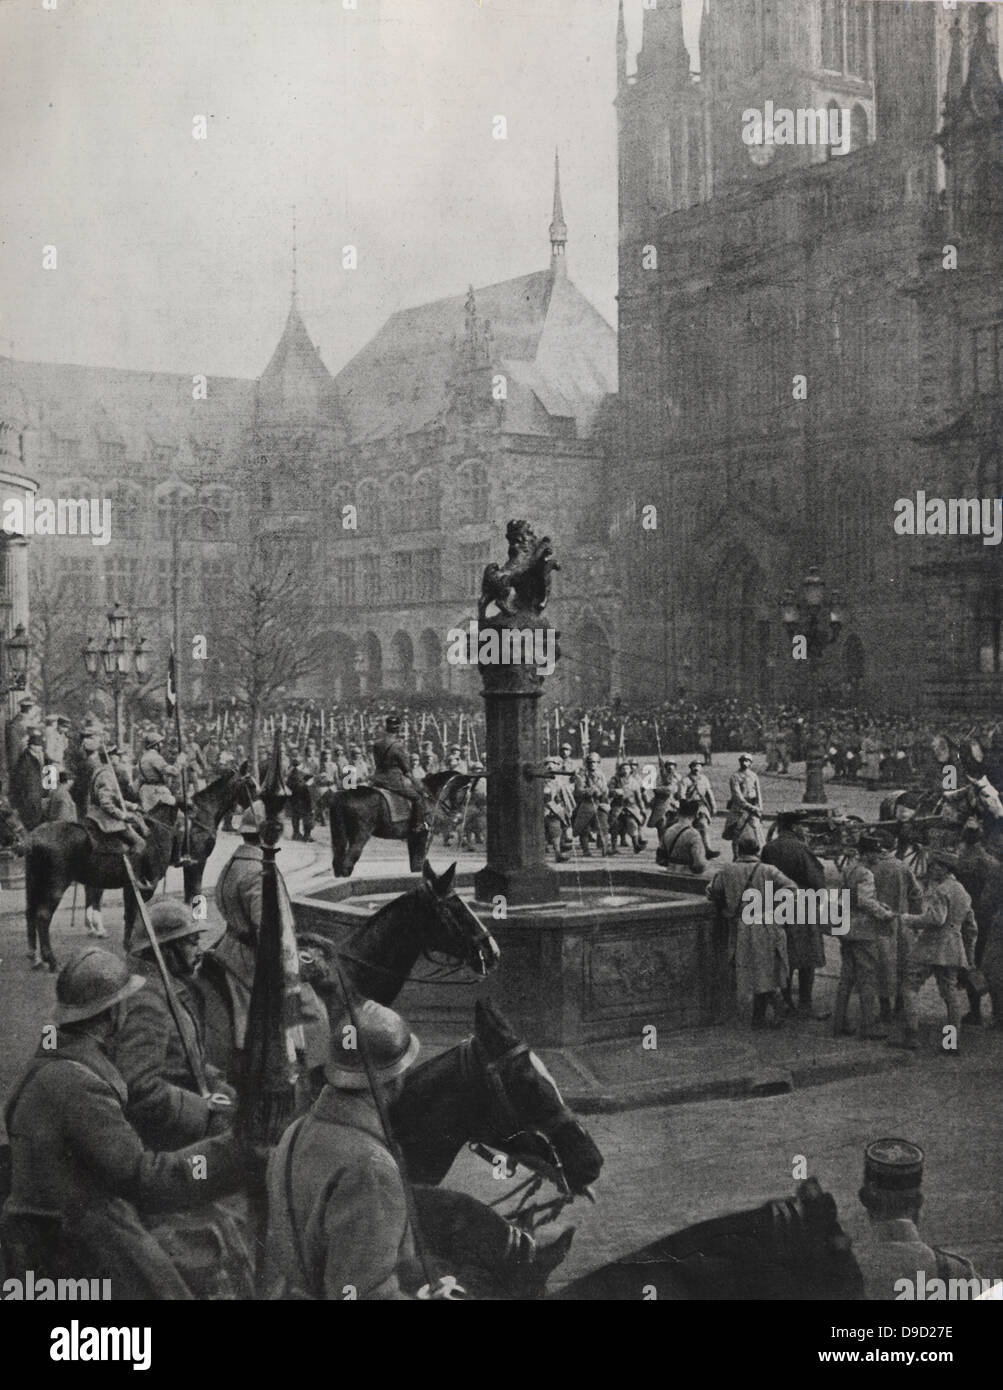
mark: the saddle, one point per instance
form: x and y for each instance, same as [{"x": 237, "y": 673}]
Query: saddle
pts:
[{"x": 398, "y": 807}]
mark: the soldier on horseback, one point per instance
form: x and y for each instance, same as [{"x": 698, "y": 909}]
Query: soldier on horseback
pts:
[
  {"x": 155, "y": 774},
  {"x": 393, "y": 771},
  {"x": 105, "y": 807}
]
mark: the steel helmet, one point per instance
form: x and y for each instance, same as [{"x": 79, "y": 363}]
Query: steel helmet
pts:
[
  {"x": 170, "y": 922},
  {"x": 151, "y": 739},
  {"x": 389, "y": 1043},
  {"x": 250, "y": 821},
  {"x": 90, "y": 982}
]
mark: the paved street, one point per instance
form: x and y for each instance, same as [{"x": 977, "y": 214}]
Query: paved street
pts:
[{"x": 670, "y": 1165}]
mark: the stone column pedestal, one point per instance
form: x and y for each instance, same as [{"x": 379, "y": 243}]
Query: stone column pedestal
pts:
[{"x": 516, "y": 866}]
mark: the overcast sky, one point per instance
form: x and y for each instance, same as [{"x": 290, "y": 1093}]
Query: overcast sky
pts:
[{"x": 174, "y": 254}]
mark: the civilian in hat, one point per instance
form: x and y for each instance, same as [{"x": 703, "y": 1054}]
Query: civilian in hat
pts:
[
  {"x": 19, "y": 728},
  {"x": 166, "y": 1104},
  {"x": 946, "y": 933},
  {"x": 894, "y": 1261},
  {"x": 788, "y": 851},
  {"x": 80, "y": 1174},
  {"x": 55, "y": 739},
  {"x": 745, "y": 805},
  {"x": 898, "y": 888},
  {"x": 27, "y": 791}
]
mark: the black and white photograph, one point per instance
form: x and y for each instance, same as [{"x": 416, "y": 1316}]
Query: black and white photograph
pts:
[{"x": 501, "y": 663}]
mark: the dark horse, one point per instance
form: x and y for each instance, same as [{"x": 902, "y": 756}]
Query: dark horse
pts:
[
  {"x": 377, "y": 956},
  {"x": 357, "y": 815},
  {"x": 493, "y": 1091},
  {"x": 794, "y": 1248},
  {"x": 64, "y": 852}
]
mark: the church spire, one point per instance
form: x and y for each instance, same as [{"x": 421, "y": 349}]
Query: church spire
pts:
[
  {"x": 621, "y": 46},
  {"x": 558, "y": 226},
  {"x": 294, "y": 254}
]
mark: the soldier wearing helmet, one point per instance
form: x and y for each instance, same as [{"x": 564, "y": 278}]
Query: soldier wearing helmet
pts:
[
  {"x": 80, "y": 1171},
  {"x": 157, "y": 776},
  {"x": 337, "y": 1210},
  {"x": 592, "y": 806},
  {"x": 558, "y": 808},
  {"x": 166, "y": 1101}
]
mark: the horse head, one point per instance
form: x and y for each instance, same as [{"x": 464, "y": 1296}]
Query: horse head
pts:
[
  {"x": 13, "y": 835},
  {"x": 449, "y": 925},
  {"x": 526, "y": 1115}
]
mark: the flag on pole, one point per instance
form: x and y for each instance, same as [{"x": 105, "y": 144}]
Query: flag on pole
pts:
[{"x": 172, "y": 686}]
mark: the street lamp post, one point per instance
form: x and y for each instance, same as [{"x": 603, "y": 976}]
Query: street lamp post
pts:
[
  {"x": 805, "y": 620},
  {"x": 117, "y": 662}
]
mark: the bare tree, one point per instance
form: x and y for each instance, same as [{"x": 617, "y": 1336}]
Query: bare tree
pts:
[{"x": 268, "y": 637}]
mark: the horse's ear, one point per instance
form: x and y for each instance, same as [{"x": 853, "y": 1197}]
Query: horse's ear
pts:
[
  {"x": 445, "y": 885},
  {"x": 491, "y": 1028},
  {"x": 428, "y": 874}
]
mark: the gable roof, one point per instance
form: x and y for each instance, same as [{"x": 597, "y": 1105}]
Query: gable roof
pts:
[
  {"x": 558, "y": 352},
  {"x": 140, "y": 410}
]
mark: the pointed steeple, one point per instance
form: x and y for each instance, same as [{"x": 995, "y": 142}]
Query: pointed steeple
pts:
[
  {"x": 621, "y": 46},
  {"x": 295, "y": 378},
  {"x": 983, "y": 90},
  {"x": 955, "y": 80},
  {"x": 294, "y": 254},
  {"x": 558, "y": 226}
]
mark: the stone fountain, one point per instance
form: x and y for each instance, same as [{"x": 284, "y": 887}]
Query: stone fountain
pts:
[{"x": 589, "y": 951}]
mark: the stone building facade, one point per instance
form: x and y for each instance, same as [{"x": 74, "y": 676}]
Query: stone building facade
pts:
[
  {"x": 794, "y": 358},
  {"x": 460, "y": 415},
  {"x": 457, "y": 416}
]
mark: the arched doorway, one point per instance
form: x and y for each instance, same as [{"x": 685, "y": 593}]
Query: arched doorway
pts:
[
  {"x": 595, "y": 663},
  {"x": 338, "y": 668},
  {"x": 369, "y": 665},
  {"x": 429, "y": 675},
  {"x": 401, "y": 674}
]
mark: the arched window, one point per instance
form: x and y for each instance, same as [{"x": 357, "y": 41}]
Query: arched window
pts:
[
  {"x": 126, "y": 508},
  {"x": 369, "y": 501},
  {"x": 215, "y": 521},
  {"x": 398, "y": 508},
  {"x": 832, "y": 34},
  {"x": 173, "y": 506},
  {"x": 472, "y": 492},
  {"x": 425, "y": 502},
  {"x": 989, "y": 632}
]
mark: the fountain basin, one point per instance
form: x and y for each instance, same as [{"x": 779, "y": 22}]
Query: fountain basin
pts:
[{"x": 620, "y": 949}]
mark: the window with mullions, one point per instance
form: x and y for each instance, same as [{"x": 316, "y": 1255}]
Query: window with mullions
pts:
[
  {"x": 989, "y": 632},
  {"x": 987, "y": 356},
  {"x": 846, "y": 37}
]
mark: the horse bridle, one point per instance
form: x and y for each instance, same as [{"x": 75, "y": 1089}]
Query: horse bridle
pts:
[
  {"x": 445, "y": 969},
  {"x": 549, "y": 1166}
]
